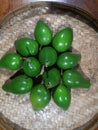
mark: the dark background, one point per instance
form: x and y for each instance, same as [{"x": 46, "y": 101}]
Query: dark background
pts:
[{"x": 90, "y": 6}]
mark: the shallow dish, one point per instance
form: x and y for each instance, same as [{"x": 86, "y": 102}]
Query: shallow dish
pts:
[{"x": 16, "y": 111}]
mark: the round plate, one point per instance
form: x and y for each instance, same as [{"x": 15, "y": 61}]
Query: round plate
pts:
[{"x": 56, "y": 14}]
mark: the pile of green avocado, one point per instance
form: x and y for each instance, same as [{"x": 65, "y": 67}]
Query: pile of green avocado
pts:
[{"x": 47, "y": 56}]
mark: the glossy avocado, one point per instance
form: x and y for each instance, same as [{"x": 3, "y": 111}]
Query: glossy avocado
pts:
[
  {"x": 19, "y": 85},
  {"x": 11, "y": 61},
  {"x": 26, "y": 46},
  {"x": 62, "y": 96},
  {"x": 43, "y": 33},
  {"x": 62, "y": 40},
  {"x": 73, "y": 79},
  {"x": 31, "y": 66},
  {"x": 48, "y": 56},
  {"x": 39, "y": 97},
  {"x": 68, "y": 60},
  {"x": 51, "y": 77}
]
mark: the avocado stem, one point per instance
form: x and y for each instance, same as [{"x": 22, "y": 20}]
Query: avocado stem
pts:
[
  {"x": 46, "y": 65},
  {"x": 42, "y": 70}
]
